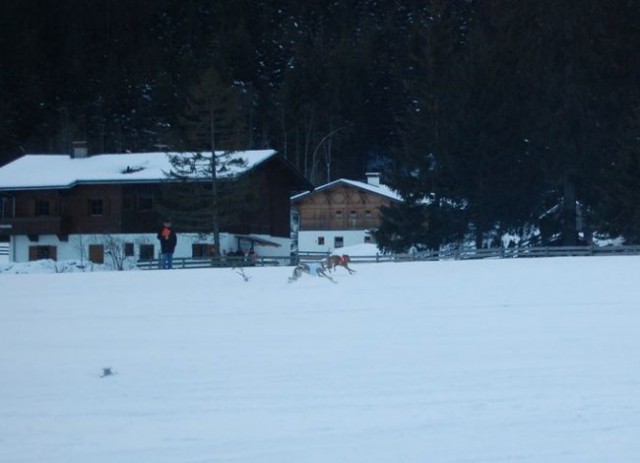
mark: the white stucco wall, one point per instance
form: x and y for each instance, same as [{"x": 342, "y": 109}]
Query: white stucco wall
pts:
[
  {"x": 77, "y": 247},
  {"x": 308, "y": 241}
]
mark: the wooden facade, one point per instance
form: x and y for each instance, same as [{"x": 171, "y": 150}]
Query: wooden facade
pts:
[
  {"x": 340, "y": 214},
  {"x": 87, "y": 209},
  {"x": 343, "y": 205}
]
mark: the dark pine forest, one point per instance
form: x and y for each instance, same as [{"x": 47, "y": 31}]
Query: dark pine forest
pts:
[{"x": 488, "y": 116}]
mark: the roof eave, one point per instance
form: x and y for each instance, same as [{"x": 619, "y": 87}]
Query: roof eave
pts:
[{"x": 345, "y": 182}]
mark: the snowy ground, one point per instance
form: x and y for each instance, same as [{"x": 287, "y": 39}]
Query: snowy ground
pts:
[{"x": 531, "y": 360}]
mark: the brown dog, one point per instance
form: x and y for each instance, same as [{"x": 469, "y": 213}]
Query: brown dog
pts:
[{"x": 334, "y": 261}]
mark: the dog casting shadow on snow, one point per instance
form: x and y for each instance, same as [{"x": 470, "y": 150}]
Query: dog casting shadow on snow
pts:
[
  {"x": 315, "y": 269},
  {"x": 342, "y": 261}
]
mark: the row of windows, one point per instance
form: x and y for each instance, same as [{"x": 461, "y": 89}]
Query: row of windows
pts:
[
  {"x": 338, "y": 241},
  {"x": 352, "y": 214},
  {"x": 98, "y": 207},
  {"x": 96, "y": 252},
  {"x": 140, "y": 203}
]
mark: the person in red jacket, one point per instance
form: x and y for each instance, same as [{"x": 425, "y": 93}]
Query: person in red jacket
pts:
[{"x": 168, "y": 241}]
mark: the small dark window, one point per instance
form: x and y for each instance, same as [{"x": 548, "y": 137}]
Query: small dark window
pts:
[
  {"x": 353, "y": 214},
  {"x": 338, "y": 242},
  {"x": 96, "y": 207},
  {"x": 96, "y": 253},
  {"x": 128, "y": 249},
  {"x": 338, "y": 213},
  {"x": 321, "y": 240},
  {"x": 42, "y": 252},
  {"x": 42, "y": 207},
  {"x": 200, "y": 251},
  {"x": 145, "y": 203},
  {"x": 367, "y": 213},
  {"x": 127, "y": 203},
  {"x": 4, "y": 208},
  {"x": 367, "y": 239},
  {"x": 146, "y": 251}
]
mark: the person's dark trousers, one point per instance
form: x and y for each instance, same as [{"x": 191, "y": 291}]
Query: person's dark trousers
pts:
[{"x": 166, "y": 261}]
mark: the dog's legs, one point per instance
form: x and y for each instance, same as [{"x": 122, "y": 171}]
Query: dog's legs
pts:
[
  {"x": 297, "y": 273},
  {"x": 329, "y": 265},
  {"x": 324, "y": 275},
  {"x": 347, "y": 268}
]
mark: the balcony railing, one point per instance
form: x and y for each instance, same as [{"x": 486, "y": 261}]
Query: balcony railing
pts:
[
  {"x": 43, "y": 225},
  {"x": 339, "y": 224}
]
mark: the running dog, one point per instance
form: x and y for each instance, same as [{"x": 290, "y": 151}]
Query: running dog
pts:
[
  {"x": 316, "y": 269},
  {"x": 342, "y": 261}
]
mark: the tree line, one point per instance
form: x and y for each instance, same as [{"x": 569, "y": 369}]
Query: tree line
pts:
[{"x": 488, "y": 116}]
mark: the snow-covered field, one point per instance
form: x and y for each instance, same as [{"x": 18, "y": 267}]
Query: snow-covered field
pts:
[{"x": 531, "y": 360}]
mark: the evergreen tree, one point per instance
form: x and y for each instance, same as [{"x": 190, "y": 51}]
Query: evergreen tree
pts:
[
  {"x": 574, "y": 105},
  {"x": 199, "y": 204},
  {"x": 195, "y": 199},
  {"x": 495, "y": 112},
  {"x": 425, "y": 165}
]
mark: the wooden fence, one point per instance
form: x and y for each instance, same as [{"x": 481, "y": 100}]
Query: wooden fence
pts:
[
  {"x": 453, "y": 254},
  {"x": 510, "y": 253},
  {"x": 192, "y": 262}
]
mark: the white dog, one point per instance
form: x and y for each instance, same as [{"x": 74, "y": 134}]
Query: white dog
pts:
[{"x": 316, "y": 269}]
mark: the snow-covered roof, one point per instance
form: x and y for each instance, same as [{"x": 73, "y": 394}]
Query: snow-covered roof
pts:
[
  {"x": 380, "y": 189},
  {"x": 40, "y": 171}
]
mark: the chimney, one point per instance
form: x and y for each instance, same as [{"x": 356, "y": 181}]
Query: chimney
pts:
[
  {"x": 79, "y": 150},
  {"x": 373, "y": 178}
]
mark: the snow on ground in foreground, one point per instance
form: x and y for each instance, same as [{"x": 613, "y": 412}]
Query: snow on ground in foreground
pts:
[{"x": 530, "y": 360}]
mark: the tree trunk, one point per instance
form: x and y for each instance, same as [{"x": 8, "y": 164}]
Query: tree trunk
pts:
[
  {"x": 569, "y": 216},
  {"x": 214, "y": 186}
]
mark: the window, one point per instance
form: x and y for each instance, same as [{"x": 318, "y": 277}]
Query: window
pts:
[
  {"x": 128, "y": 249},
  {"x": 145, "y": 203},
  {"x": 367, "y": 238},
  {"x": 4, "y": 208},
  {"x": 353, "y": 214},
  {"x": 338, "y": 242},
  {"x": 320, "y": 240},
  {"x": 42, "y": 252},
  {"x": 146, "y": 252},
  {"x": 127, "y": 203},
  {"x": 338, "y": 214},
  {"x": 367, "y": 213},
  {"x": 96, "y": 253},
  {"x": 42, "y": 207},
  {"x": 96, "y": 207},
  {"x": 202, "y": 250}
]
